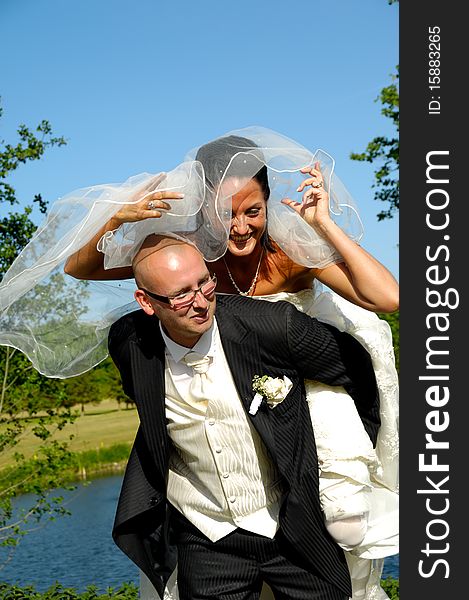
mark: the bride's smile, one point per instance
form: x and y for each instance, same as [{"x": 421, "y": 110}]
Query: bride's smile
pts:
[{"x": 248, "y": 220}]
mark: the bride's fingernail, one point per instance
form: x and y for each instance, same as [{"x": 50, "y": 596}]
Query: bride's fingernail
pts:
[{"x": 298, "y": 188}]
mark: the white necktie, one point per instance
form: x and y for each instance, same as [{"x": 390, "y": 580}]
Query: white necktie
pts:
[{"x": 199, "y": 389}]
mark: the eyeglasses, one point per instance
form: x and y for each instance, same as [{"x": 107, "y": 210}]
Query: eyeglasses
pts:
[{"x": 185, "y": 299}]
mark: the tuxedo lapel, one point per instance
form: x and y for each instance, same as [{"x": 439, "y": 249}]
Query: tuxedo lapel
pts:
[{"x": 242, "y": 352}]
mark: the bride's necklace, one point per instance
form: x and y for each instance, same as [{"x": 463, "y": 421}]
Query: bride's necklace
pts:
[{"x": 254, "y": 281}]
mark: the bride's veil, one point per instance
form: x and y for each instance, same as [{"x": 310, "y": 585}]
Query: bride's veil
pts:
[{"x": 62, "y": 323}]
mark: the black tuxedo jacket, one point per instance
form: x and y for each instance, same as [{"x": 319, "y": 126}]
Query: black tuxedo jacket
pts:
[{"x": 259, "y": 338}]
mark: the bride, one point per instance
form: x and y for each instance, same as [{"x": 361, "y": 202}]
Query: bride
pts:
[{"x": 276, "y": 223}]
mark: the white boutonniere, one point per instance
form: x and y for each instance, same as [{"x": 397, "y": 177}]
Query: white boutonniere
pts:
[{"x": 273, "y": 389}]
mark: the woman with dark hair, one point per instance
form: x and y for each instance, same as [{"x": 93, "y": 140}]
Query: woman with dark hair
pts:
[{"x": 235, "y": 168}]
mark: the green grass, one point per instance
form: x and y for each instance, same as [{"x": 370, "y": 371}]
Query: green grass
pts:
[
  {"x": 100, "y": 426},
  {"x": 127, "y": 591},
  {"x": 391, "y": 587},
  {"x": 101, "y": 460}
]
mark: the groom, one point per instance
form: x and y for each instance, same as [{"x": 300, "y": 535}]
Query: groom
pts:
[{"x": 225, "y": 487}]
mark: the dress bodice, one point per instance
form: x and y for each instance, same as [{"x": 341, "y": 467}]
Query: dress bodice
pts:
[{"x": 303, "y": 300}]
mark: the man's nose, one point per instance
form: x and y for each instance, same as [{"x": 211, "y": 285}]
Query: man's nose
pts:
[{"x": 200, "y": 301}]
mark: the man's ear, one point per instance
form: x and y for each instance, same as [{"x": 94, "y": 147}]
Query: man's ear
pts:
[{"x": 143, "y": 301}]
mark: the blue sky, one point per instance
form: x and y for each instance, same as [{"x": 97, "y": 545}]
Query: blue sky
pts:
[{"x": 133, "y": 85}]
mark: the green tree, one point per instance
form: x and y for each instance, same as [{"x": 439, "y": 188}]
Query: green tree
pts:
[
  {"x": 29, "y": 402},
  {"x": 393, "y": 320},
  {"x": 95, "y": 385},
  {"x": 384, "y": 153}
]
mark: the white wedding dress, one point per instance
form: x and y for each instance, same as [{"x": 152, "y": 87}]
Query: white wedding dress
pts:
[{"x": 343, "y": 445}]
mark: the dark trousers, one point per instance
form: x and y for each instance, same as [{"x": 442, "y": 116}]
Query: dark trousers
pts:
[{"x": 235, "y": 567}]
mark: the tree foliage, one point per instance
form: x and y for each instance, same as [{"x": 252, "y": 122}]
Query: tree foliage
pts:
[
  {"x": 93, "y": 386},
  {"x": 30, "y": 404},
  {"x": 393, "y": 321},
  {"x": 384, "y": 153},
  {"x": 127, "y": 591},
  {"x": 391, "y": 587}
]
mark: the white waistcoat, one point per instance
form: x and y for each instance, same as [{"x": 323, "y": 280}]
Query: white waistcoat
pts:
[{"x": 221, "y": 476}]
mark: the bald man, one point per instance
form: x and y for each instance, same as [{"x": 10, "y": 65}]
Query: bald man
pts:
[{"x": 222, "y": 485}]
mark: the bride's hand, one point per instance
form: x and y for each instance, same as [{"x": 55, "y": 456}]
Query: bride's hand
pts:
[
  {"x": 314, "y": 207},
  {"x": 146, "y": 203}
]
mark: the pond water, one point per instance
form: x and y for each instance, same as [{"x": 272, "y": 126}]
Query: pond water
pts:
[{"x": 78, "y": 550}]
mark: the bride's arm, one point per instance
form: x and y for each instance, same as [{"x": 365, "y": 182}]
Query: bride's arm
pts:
[
  {"x": 360, "y": 278},
  {"x": 88, "y": 262}
]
